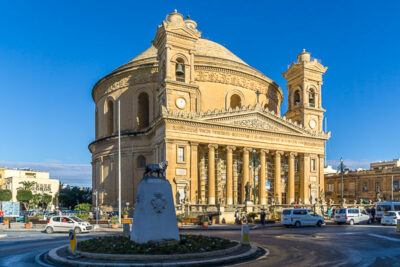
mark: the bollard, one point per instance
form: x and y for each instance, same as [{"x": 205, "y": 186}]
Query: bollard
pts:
[
  {"x": 398, "y": 226},
  {"x": 245, "y": 235}
]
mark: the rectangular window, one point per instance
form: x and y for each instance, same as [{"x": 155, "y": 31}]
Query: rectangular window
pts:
[
  {"x": 313, "y": 165},
  {"x": 365, "y": 187},
  {"x": 181, "y": 154},
  {"x": 331, "y": 187}
]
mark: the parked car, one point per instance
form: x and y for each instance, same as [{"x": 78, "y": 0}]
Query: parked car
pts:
[
  {"x": 382, "y": 207},
  {"x": 352, "y": 216},
  {"x": 66, "y": 223},
  {"x": 390, "y": 218},
  {"x": 300, "y": 217}
]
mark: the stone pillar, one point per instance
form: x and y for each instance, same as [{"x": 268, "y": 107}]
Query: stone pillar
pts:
[
  {"x": 101, "y": 201},
  {"x": 290, "y": 198},
  {"x": 306, "y": 178},
  {"x": 211, "y": 173},
  {"x": 301, "y": 177},
  {"x": 229, "y": 181},
  {"x": 322, "y": 177},
  {"x": 278, "y": 178},
  {"x": 245, "y": 173},
  {"x": 202, "y": 189},
  {"x": 261, "y": 181},
  {"x": 194, "y": 179}
]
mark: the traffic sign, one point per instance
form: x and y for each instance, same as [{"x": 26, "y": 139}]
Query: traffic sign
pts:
[{"x": 72, "y": 240}]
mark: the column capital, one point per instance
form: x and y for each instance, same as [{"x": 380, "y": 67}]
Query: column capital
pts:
[
  {"x": 194, "y": 143},
  {"x": 247, "y": 149},
  {"x": 321, "y": 156},
  {"x": 231, "y": 148},
  {"x": 305, "y": 155},
  {"x": 265, "y": 151},
  {"x": 292, "y": 154},
  {"x": 214, "y": 146},
  {"x": 278, "y": 152}
]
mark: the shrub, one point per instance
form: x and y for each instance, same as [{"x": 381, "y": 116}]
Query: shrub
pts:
[
  {"x": 83, "y": 207},
  {"x": 24, "y": 196},
  {"x": 5, "y": 195},
  {"x": 84, "y": 216},
  {"x": 252, "y": 215}
]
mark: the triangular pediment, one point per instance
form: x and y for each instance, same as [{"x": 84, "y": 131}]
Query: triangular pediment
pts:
[
  {"x": 256, "y": 120},
  {"x": 183, "y": 30}
]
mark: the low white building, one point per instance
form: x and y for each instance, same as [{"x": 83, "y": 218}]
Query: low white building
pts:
[{"x": 12, "y": 179}]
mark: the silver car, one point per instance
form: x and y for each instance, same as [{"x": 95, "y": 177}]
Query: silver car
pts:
[
  {"x": 352, "y": 216},
  {"x": 64, "y": 223}
]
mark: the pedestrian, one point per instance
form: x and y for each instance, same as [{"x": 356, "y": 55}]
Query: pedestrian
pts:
[
  {"x": 263, "y": 217},
  {"x": 1, "y": 216},
  {"x": 373, "y": 214},
  {"x": 329, "y": 213},
  {"x": 237, "y": 217},
  {"x": 245, "y": 217},
  {"x": 333, "y": 212}
]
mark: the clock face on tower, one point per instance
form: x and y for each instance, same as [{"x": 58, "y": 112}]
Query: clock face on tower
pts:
[
  {"x": 312, "y": 124},
  {"x": 180, "y": 102}
]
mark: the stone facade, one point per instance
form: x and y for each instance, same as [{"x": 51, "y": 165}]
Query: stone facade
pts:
[
  {"x": 194, "y": 103},
  {"x": 372, "y": 185}
]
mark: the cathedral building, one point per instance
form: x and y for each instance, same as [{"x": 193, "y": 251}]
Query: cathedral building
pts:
[{"x": 215, "y": 119}]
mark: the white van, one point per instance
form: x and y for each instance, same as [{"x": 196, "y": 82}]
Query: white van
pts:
[
  {"x": 352, "y": 216},
  {"x": 299, "y": 217},
  {"x": 382, "y": 207}
]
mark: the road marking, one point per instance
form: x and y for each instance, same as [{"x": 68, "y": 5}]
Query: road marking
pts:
[{"x": 385, "y": 237}]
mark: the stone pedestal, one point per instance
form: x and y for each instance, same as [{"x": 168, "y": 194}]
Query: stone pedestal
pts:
[{"x": 154, "y": 218}]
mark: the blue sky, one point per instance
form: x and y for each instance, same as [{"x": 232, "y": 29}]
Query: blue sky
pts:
[{"x": 52, "y": 53}]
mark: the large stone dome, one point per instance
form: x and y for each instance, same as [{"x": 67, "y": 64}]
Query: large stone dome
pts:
[{"x": 204, "y": 47}]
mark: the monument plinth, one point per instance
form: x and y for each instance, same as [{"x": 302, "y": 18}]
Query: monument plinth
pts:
[{"x": 154, "y": 218}]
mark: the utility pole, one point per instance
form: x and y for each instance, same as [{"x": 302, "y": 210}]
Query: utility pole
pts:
[
  {"x": 392, "y": 187},
  {"x": 341, "y": 179}
]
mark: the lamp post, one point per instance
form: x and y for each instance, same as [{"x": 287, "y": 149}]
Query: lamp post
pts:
[
  {"x": 341, "y": 179},
  {"x": 255, "y": 165}
]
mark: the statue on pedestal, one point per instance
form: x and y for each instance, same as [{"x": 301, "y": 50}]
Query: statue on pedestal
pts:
[{"x": 247, "y": 189}]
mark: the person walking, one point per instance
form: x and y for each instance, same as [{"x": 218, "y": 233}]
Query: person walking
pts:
[
  {"x": 373, "y": 214},
  {"x": 263, "y": 217},
  {"x": 329, "y": 213},
  {"x": 1, "y": 216}
]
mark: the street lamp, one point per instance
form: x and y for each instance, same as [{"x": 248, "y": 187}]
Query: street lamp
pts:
[
  {"x": 96, "y": 193},
  {"x": 255, "y": 165},
  {"x": 341, "y": 179}
]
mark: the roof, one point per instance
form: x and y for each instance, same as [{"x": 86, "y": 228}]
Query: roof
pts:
[{"x": 203, "y": 47}]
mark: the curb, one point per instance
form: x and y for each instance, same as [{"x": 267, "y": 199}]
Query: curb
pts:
[{"x": 252, "y": 252}]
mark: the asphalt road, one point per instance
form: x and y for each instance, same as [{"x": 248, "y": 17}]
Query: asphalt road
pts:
[{"x": 327, "y": 246}]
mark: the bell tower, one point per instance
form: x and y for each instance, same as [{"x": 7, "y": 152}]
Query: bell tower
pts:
[
  {"x": 304, "y": 81},
  {"x": 175, "y": 41}
]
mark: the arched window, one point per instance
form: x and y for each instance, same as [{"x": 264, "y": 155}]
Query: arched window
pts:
[
  {"x": 180, "y": 70},
  {"x": 311, "y": 98},
  {"x": 236, "y": 101},
  {"x": 296, "y": 98},
  {"x": 143, "y": 111},
  {"x": 110, "y": 117},
  {"x": 141, "y": 162}
]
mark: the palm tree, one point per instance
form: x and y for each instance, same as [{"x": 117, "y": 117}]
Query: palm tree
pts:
[{"x": 26, "y": 185}]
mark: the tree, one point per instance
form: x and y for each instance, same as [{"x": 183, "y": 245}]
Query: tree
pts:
[
  {"x": 36, "y": 200},
  {"x": 24, "y": 196},
  {"x": 73, "y": 195},
  {"x": 5, "y": 195},
  {"x": 46, "y": 200},
  {"x": 27, "y": 185}
]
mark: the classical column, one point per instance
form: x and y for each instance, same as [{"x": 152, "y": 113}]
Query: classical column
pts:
[
  {"x": 306, "y": 178},
  {"x": 301, "y": 178},
  {"x": 211, "y": 173},
  {"x": 261, "y": 181},
  {"x": 245, "y": 173},
  {"x": 229, "y": 165},
  {"x": 278, "y": 178},
  {"x": 321, "y": 176},
  {"x": 194, "y": 179},
  {"x": 291, "y": 178},
  {"x": 202, "y": 188}
]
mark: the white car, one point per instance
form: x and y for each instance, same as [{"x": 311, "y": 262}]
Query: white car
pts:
[
  {"x": 382, "y": 207},
  {"x": 66, "y": 223},
  {"x": 300, "y": 217},
  {"x": 390, "y": 218},
  {"x": 352, "y": 216}
]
